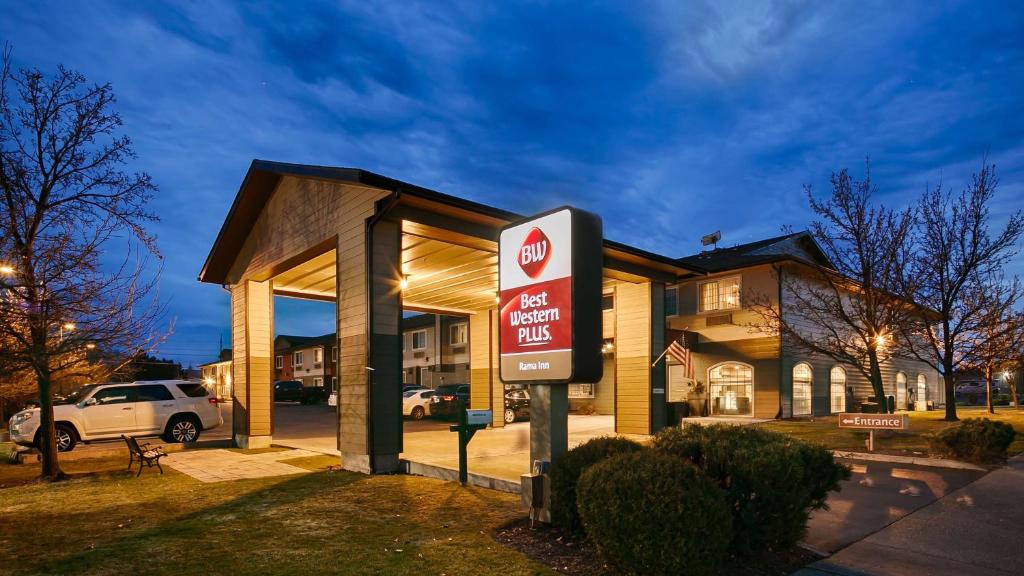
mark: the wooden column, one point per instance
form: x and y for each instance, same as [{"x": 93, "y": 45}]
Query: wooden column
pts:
[
  {"x": 485, "y": 387},
  {"x": 252, "y": 362},
  {"x": 639, "y": 330}
]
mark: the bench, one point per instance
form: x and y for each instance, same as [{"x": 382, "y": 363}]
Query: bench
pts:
[{"x": 146, "y": 455}]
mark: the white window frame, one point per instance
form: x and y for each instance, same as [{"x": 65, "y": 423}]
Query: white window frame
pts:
[
  {"x": 318, "y": 355},
  {"x": 719, "y": 306},
  {"x": 279, "y": 362},
  {"x": 297, "y": 358},
  {"x": 810, "y": 389},
  {"x": 413, "y": 337},
  {"x": 753, "y": 380},
  {"x": 841, "y": 407},
  {"x": 318, "y": 381},
  {"x": 462, "y": 330},
  {"x": 334, "y": 354}
]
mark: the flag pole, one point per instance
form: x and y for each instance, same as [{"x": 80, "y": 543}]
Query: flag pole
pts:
[{"x": 658, "y": 359}]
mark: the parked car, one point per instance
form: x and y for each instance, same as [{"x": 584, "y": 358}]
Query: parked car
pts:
[
  {"x": 411, "y": 387},
  {"x": 416, "y": 403},
  {"x": 177, "y": 410},
  {"x": 517, "y": 405},
  {"x": 295, "y": 391},
  {"x": 445, "y": 401}
]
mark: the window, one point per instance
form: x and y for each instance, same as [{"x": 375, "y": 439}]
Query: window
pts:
[
  {"x": 318, "y": 382},
  {"x": 334, "y": 354},
  {"x": 457, "y": 333},
  {"x": 297, "y": 359},
  {"x": 608, "y": 302},
  {"x": 802, "y": 385},
  {"x": 115, "y": 395},
  {"x": 721, "y": 294},
  {"x": 731, "y": 387},
  {"x": 837, "y": 383},
  {"x": 153, "y": 393},
  {"x": 318, "y": 355},
  {"x": 922, "y": 388},
  {"x": 419, "y": 340},
  {"x": 577, "y": 391},
  {"x": 194, "y": 390},
  {"x": 279, "y": 362},
  {"x": 671, "y": 301},
  {"x": 334, "y": 382},
  {"x": 901, "y": 390}
]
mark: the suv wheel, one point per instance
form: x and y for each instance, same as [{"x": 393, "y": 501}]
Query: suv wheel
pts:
[
  {"x": 510, "y": 415},
  {"x": 65, "y": 438},
  {"x": 182, "y": 429}
]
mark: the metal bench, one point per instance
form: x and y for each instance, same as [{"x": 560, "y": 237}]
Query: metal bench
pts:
[{"x": 145, "y": 454}]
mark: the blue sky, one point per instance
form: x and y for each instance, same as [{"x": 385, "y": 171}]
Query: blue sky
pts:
[{"x": 670, "y": 119}]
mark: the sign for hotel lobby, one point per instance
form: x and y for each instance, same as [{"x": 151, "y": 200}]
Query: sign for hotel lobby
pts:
[
  {"x": 550, "y": 298},
  {"x": 873, "y": 421}
]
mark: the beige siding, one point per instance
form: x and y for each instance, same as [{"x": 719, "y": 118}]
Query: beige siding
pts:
[
  {"x": 632, "y": 358},
  {"x": 260, "y": 351},
  {"x": 485, "y": 387},
  {"x": 299, "y": 214}
]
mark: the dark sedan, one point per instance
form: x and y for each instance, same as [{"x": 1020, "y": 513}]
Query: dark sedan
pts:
[{"x": 445, "y": 402}]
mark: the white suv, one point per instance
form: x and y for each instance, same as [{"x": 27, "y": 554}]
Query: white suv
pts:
[{"x": 178, "y": 410}]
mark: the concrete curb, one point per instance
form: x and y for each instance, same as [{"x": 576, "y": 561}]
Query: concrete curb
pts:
[
  {"x": 894, "y": 459},
  {"x": 440, "y": 473}
]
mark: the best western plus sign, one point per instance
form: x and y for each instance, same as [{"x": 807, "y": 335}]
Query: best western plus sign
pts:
[
  {"x": 536, "y": 299},
  {"x": 550, "y": 269}
]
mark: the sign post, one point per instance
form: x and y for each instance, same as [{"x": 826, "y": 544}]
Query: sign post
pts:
[
  {"x": 549, "y": 279},
  {"x": 872, "y": 422}
]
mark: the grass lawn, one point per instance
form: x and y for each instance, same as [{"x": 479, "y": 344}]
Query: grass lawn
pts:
[
  {"x": 911, "y": 442},
  {"x": 105, "y": 521}
]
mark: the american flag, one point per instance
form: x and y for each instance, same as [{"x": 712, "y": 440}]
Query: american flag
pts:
[{"x": 680, "y": 353}]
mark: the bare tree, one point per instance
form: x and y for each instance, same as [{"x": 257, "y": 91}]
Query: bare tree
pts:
[
  {"x": 954, "y": 247},
  {"x": 997, "y": 339},
  {"x": 848, "y": 313},
  {"x": 64, "y": 199}
]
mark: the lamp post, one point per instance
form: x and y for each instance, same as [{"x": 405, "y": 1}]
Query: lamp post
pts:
[{"x": 69, "y": 326}]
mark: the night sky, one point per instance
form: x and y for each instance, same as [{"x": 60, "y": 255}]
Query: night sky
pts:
[{"x": 671, "y": 120}]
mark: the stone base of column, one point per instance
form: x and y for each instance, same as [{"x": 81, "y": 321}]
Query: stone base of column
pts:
[
  {"x": 382, "y": 463},
  {"x": 252, "y": 442}
]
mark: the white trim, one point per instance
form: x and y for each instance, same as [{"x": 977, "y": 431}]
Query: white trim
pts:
[
  {"x": 831, "y": 391},
  {"x": 412, "y": 339},
  {"x": 279, "y": 361},
  {"x": 297, "y": 358},
  {"x": 739, "y": 295},
  {"x": 810, "y": 385}
]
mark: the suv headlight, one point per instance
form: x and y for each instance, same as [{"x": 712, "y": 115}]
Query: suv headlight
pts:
[{"x": 23, "y": 417}]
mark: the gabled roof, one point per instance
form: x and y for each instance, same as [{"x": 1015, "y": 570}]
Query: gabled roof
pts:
[
  {"x": 263, "y": 177},
  {"x": 798, "y": 247}
]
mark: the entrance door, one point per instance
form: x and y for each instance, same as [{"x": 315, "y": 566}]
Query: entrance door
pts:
[
  {"x": 112, "y": 413},
  {"x": 731, "y": 389}
]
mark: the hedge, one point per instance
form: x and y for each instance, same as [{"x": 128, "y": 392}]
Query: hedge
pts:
[
  {"x": 566, "y": 471},
  {"x": 773, "y": 481},
  {"x": 652, "y": 513},
  {"x": 977, "y": 440}
]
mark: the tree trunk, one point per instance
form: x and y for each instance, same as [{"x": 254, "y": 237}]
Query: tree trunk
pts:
[
  {"x": 949, "y": 381},
  {"x": 1013, "y": 392},
  {"x": 47, "y": 438},
  {"x": 988, "y": 390},
  {"x": 876, "y": 380}
]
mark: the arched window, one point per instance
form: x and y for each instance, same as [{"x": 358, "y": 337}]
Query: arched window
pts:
[
  {"x": 731, "y": 388},
  {"x": 837, "y": 383},
  {"x": 901, "y": 391},
  {"x": 802, "y": 385},
  {"x": 922, "y": 389}
]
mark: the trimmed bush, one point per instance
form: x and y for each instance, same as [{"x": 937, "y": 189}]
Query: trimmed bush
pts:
[
  {"x": 652, "y": 513},
  {"x": 566, "y": 471},
  {"x": 773, "y": 481},
  {"x": 977, "y": 440}
]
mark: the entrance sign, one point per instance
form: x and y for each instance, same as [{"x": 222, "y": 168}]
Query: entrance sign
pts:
[
  {"x": 873, "y": 421},
  {"x": 550, "y": 298}
]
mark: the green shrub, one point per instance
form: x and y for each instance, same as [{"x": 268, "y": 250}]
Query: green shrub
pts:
[
  {"x": 565, "y": 473},
  {"x": 652, "y": 513},
  {"x": 773, "y": 481},
  {"x": 978, "y": 440}
]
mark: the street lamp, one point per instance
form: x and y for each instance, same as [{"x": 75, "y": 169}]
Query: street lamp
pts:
[
  {"x": 69, "y": 326},
  {"x": 6, "y": 269}
]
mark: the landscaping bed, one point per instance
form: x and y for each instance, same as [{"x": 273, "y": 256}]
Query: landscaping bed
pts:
[{"x": 574, "y": 557}]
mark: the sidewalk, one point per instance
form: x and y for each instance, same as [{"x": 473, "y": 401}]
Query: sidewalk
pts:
[{"x": 974, "y": 530}]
